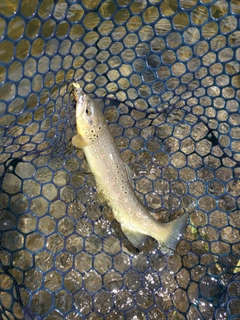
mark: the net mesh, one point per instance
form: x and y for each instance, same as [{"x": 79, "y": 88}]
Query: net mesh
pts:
[{"x": 167, "y": 73}]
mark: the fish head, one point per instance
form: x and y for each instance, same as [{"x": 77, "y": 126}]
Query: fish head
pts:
[{"x": 89, "y": 118}]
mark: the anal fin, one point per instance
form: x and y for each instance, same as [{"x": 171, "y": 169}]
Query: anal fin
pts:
[
  {"x": 101, "y": 198},
  {"x": 136, "y": 238}
]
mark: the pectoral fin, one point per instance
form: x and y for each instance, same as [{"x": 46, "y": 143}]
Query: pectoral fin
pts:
[
  {"x": 78, "y": 142},
  {"x": 136, "y": 238}
]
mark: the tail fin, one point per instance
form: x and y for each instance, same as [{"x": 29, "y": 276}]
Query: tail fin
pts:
[{"x": 174, "y": 230}]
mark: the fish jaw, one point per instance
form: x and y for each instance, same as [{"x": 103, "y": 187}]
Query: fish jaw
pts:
[
  {"x": 79, "y": 106},
  {"x": 82, "y": 122},
  {"x": 80, "y": 99},
  {"x": 78, "y": 96}
]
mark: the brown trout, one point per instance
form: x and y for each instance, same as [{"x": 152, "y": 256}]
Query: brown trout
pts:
[{"x": 112, "y": 177}]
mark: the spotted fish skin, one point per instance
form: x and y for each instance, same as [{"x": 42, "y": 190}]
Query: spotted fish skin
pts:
[{"x": 112, "y": 177}]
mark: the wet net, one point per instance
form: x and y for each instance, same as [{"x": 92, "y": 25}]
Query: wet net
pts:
[{"x": 166, "y": 74}]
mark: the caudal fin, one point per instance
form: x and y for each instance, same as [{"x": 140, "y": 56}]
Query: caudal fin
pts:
[{"x": 175, "y": 230}]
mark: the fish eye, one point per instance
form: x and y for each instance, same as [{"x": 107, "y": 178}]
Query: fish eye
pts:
[{"x": 88, "y": 111}]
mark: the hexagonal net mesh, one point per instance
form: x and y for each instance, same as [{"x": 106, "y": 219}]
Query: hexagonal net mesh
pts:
[{"x": 171, "y": 72}]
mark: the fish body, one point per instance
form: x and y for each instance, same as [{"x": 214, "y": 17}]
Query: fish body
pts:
[{"x": 112, "y": 177}]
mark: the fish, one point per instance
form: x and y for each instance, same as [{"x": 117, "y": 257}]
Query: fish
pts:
[{"x": 113, "y": 178}]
